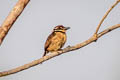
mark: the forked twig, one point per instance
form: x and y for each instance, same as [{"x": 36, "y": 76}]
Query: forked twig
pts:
[
  {"x": 45, "y": 58},
  {"x": 104, "y": 17}
]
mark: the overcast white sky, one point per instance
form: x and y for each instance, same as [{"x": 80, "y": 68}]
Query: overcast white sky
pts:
[{"x": 25, "y": 41}]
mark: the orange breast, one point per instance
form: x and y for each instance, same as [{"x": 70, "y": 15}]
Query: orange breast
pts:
[{"x": 57, "y": 41}]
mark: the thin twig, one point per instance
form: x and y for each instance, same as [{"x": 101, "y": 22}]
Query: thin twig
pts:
[
  {"x": 45, "y": 58},
  {"x": 106, "y": 14},
  {"x": 12, "y": 17}
]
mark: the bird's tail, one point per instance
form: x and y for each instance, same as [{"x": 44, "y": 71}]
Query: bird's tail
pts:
[{"x": 44, "y": 53}]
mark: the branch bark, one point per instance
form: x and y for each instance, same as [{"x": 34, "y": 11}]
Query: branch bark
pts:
[
  {"x": 11, "y": 18},
  {"x": 45, "y": 58}
]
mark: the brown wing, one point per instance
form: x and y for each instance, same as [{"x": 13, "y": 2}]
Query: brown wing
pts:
[{"x": 48, "y": 41}]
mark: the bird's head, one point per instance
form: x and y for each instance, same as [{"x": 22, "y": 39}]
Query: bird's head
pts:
[{"x": 60, "y": 28}]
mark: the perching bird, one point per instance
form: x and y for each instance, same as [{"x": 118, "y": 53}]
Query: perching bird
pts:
[{"x": 56, "y": 39}]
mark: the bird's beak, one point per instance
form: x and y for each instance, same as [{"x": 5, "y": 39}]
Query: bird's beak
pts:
[{"x": 66, "y": 28}]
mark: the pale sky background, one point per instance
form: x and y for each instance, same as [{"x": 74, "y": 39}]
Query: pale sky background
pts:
[{"x": 25, "y": 41}]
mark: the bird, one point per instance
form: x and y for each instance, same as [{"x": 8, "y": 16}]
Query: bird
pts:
[{"x": 56, "y": 39}]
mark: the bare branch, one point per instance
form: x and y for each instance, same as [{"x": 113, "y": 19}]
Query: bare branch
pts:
[
  {"x": 106, "y": 14},
  {"x": 45, "y": 58},
  {"x": 12, "y": 17}
]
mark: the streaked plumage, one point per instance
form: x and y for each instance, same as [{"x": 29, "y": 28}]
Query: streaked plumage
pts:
[{"x": 56, "y": 39}]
